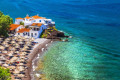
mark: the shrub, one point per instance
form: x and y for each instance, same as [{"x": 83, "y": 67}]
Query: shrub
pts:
[
  {"x": 27, "y": 26},
  {"x": 22, "y": 23},
  {"x": 54, "y": 28},
  {"x": 44, "y": 36},
  {"x": 4, "y": 74}
]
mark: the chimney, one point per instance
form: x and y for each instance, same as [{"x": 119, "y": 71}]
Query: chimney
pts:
[
  {"x": 27, "y": 15},
  {"x": 37, "y": 14}
]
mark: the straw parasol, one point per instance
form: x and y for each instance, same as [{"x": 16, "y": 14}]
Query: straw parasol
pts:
[
  {"x": 17, "y": 46},
  {"x": 24, "y": 49},
  {"x": 4, "y": 51},
  {"x": 20, "y": 64},
  {"x": 1, "y": 47},
  {"x": 13, "y": 42},
  {"x": 19, "y": 40},
  {"x": 21, "y": 68},
  {"x": 22, "y": 57},
  {"x": 16, "y": 71},
  {"x": 32, "y": 39},
  {"x": 21, "y": 75},
  {"x": 10, "y": 54},
  {"x": 6, "y": 45},
  {"x": 2, "y": 58},
  {"x": 11, "y": 67},
  {"x": 13, "y": 59},
  {"x": 22, "y": 54},
  {"x": 5, "y": 65},
  {"x": 22, "y": 60}
]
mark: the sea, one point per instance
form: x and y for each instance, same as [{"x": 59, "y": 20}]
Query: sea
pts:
[{"x": 93, "y": 52}]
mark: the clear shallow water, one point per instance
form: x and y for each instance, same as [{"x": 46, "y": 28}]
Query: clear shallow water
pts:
[{"x": 94, "y": 51}]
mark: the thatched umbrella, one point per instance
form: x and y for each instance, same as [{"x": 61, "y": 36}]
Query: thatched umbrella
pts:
[
  {"x": 20, "y": 64},
  {"x": 16, "y": 71},
  {"x": 21, "y": 75},
  {"x": 6, "y": 45},
  {"x": 13, "y": 49},
  {"x": 22, "y": 57},
  {"x": 13, "y": 59},
  {"x": 20, "y": 40},
  {"x": 22, "y": 54},
  {"x": 13, "y": 42},
  {"x": 5, "y": 65},
  {"x": 22, "y": 60},
  {"x": 32, "y": 39},
  {"x": 11, "y": 67},
  {"x": 10, "y": 54},
  {"x": 1, "y": 47},
  {"x": 21, "y": 68},
  {"x": 4, "y": 51},
  {"x": 17, "y": 46},
  {"x": 24, "y": 49}
]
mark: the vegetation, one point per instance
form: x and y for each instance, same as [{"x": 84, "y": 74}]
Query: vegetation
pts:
[
  {"x": 22, "y": 23},
  {"x": 48, "y": 31},
  {"x": 5, "y": 22},
  {"x": 4, "y": 74},
  {"x": 27, "y": 26}
]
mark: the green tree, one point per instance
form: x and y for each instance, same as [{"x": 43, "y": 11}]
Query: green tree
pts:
[
  {"x": 5, "y": 22},
  {"x": 4, "y": 74},
  {"x": 1, "y": 14}
]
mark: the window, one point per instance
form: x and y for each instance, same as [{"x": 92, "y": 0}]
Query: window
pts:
[
  {"x": 35, "y": 34},
  {"x": 32, "y": 34},
  {"x": 18, "y": 33},
  {"x": 37, "y": 29},
  {"x": 23, "y": 34},
  {"x": 34, "y": 20},
  {"x": 28, "y": 34},
  {"x": 39, "y": 20},
  {"x": 34, "y": 29}
]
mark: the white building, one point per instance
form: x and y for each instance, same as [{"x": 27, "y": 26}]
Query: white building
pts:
[
  {"x": 35, "y": 26},
  {"x": 34, "y": 19}
]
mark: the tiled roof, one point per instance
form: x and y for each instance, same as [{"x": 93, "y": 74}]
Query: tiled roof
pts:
[
  {"x": 14, "y": 26},
  {"x": 27, "y": 17},
  {"x": 37, "y": 17},
  {"x": 37, "y": 24},
  {"x": 19, "y": 18},
  {"x": 23, "y": 30}
]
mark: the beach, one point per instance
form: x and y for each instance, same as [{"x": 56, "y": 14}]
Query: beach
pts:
[
  {"x": 35, "y": 55},
  {"x": 17, "y": 54}
]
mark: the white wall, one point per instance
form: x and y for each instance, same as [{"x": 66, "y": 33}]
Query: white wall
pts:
[
  {"x": 17, "y": 21},
  {"x": 27, "y": 22},
  {"x": 38, "y": 21},
  {"x": 20, "y": 27}
]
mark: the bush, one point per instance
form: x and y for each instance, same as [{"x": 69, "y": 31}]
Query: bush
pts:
[
  {"x": 54, "y": 28},
  {"x": 22, "y": 23},
  {"x": 44, "y": 36},
  {"x": 4, "y": 74},
  {"x": 27, "y": 26}
]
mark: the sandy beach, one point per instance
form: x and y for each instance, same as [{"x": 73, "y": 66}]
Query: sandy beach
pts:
[
  {"x": 18, "y": 53},
  {"x": 37, "y": 51}
]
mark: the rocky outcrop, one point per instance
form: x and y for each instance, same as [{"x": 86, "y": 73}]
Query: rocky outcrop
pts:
[{"x": 56, "y": 35}]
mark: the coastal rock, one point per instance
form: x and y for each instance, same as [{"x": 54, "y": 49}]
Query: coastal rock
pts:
[{"x": 56, "y": 35}]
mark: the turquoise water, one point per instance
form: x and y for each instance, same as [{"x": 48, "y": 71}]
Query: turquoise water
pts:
[{"x": 94, "y": 51}]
